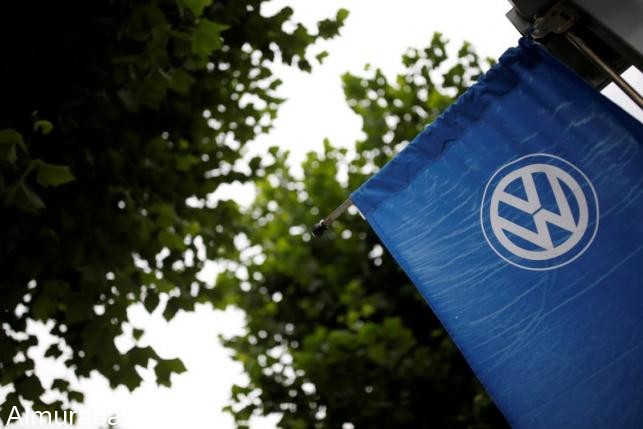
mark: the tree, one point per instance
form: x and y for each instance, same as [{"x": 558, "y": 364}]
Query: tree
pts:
[
  {"x": 118, "y": 119},
  {"x": 337, "y": 336}
]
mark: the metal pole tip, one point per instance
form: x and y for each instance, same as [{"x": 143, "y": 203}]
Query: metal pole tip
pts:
[{"x": 319, "y": 228}]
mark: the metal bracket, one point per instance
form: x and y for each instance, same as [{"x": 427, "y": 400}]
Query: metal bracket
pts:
[{"x": 557, "y": 20}]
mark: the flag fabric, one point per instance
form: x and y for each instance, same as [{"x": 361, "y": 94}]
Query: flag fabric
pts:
[{"x": 518, "y": 214}]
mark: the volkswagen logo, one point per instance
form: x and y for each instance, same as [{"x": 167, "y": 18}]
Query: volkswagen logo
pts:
[{"x": 539, "y": 212}]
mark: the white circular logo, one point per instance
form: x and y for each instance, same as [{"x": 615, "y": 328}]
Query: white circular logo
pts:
[{"x": 539, "y": 212}]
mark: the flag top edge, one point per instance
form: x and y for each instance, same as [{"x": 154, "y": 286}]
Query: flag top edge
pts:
[{"x": 447, "y": 127}]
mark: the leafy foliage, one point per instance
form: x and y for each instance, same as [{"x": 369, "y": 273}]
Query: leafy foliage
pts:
[
  {"x": 117, "y": 119},
  {"x": 337, "y": 334}
]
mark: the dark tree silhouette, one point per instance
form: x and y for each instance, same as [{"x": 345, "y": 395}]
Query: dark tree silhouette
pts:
[{"x": 117, "y": 119}]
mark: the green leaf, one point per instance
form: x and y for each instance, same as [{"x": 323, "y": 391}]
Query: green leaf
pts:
[
  {"x": 342, "y": 14},
  {"x": 180, "y": 81},
  {"x": 163, "y": 285},
  {"x": 153, "y": 90},
  {"x": 151, "y": 301},
  {"x": 60, "y": 385},
  {"x": 138, "y": 333},
  {"x": 31, "y": 341},
  {"x": 166, "y": 215},
  {"x": 171, "y": 240},
  {"x": 12, "y": 400},
  {"x": 171, "y": 308},
  {"x": 11, "y": 136},
  {"x": 22, "y": 196},
  {"x": 42, "y": 126},
  {"x": 29, "y": 387},
  {"x": 8, "y": 153},
  {"x": 9, "y": 139},
  {"x": 165, "y": 368},
  {"x": 43, "y": 308},
  {"x": 50, "y": 407},
  {"x": 193, "y": 228},
  {"x": 321, "y": 56},
  {"x": 128, "y": 99},
  {"x": 207, "y": 37},
  {"x": 53, "y": 351},
  {"x": 196, "y": 6},
  {"x": 141, "y": 356},
  {"x": 52, "y": 175},
  {"x": 185, "y": 162},
  {"x": 76, "y": 396}
]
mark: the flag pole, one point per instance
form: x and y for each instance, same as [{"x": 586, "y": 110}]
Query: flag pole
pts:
[
  {"x": 322, "y": 226},
  {"x": 618, "y": 80}
]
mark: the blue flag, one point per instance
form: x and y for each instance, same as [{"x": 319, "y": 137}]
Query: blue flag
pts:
[{"x": 518, "y": 214}]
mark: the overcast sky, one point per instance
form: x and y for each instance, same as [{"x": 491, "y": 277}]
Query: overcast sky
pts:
[{"x": 376, "y": 32}]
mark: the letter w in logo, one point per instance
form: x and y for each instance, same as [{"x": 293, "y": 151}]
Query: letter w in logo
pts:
[{"x": 541, "y": 216}]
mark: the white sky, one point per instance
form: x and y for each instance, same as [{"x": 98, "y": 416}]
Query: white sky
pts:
[{"x": 376, "y": 32}]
